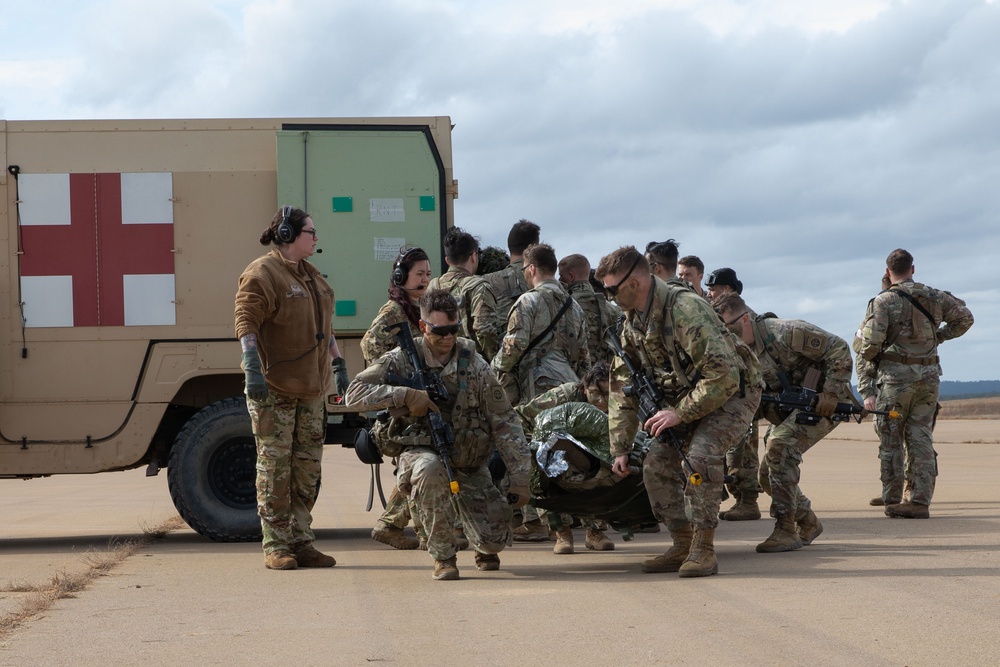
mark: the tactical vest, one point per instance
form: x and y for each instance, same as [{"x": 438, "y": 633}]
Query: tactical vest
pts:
[
  {"x": 673, "y": 370},
  {"x": 473, "y": 440},
  {"x": 925, "y": 317}
]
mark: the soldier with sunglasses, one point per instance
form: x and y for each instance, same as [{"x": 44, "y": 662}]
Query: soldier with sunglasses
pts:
[{"x": 481, "y": 418}]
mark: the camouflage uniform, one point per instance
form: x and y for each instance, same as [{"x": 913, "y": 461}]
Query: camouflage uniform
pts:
[
  {"x": 290, "y": 433},
  {"x": 898, "y": 362},
  {"x": 794, "y": 346},
  {"x": 600, "y": 313},
  {"x": 567, "y": 392},
  {"x": 710, "y": 379},
  {"x": 561, "y": 357},
  {"x": 477, "y": 308},
  {"x": 481, "y": 417},
  {"x": 508, "y": 284},
  {"x": 376, "y": 342}
]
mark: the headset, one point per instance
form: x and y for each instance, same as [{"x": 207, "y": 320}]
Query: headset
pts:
[
  {"x": 398, "y": 273},
  {"x": 286, "y": 232}
]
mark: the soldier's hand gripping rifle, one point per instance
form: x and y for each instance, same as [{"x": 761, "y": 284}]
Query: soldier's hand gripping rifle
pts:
[
  {"x": 803, "y": 399},
  {"x": 429, "y": 381},
  {"x": 650, "y": 399}
]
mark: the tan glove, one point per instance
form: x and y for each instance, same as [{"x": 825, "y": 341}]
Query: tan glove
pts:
[
  {"x": 518, "y": 496},
  {"x": 418, "y": 402},
  {"x": 826, "y": 404}
]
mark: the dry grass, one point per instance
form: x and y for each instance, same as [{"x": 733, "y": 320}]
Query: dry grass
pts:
[
  {"x": 971, "y": 408},
  {"x": 41, "y": 597}
]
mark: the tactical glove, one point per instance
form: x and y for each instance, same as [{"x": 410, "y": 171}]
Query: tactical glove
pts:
[
  {"x": 340, "y": 376},
  {"x": 256, "y": 384},
  {"x": 418, "y": 402},
  {"x": 826, "y": 404}
]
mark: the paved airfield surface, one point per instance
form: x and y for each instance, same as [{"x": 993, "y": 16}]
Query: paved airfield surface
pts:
[{"x": 871, "y": 590}]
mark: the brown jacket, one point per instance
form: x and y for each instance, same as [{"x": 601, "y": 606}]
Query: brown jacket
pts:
[{"x": 287, "y": 305}]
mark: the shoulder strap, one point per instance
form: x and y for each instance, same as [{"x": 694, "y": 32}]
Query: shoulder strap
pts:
[
  {"x": 537, "y": 339},
  {"x": 916, "y": 304}
]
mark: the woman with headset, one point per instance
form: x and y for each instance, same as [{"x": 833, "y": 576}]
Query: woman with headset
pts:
[
  {"x": 411, "y": 273},
  {"x": 284, "y": 311}
]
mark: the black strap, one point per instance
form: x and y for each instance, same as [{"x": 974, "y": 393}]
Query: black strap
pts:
[
  {"x": 537, "y": 339},
  {"x": 916, "y": 304}
]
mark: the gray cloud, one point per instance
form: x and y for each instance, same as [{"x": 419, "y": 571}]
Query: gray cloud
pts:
[{"x": 799, "y": 158}]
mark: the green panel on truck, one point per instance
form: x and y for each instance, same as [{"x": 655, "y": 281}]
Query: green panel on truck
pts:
[{"x": 386, "y": 171}]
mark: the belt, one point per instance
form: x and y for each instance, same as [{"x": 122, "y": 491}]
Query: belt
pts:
[{"x": 910, "y": 361}]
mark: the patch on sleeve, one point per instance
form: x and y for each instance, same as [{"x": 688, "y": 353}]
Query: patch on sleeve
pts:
[{"x": 498, "y": 395}]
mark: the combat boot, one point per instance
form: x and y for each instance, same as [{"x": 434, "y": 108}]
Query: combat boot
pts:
[
  {"x": 564, "y": 541},
  {"x": 598, "y": 541},
  {"x": 745, "y": 509},
  {"x": 281, "y": 559},
  {"x": 446, "y": 570},
  {"x": 908, "y": 510},
  {"x": 701, "y": 561},
  {"x": 672, "y": 560},
  {"x": 533, "y": 531},
  {"x": 461, "y": 541},
  {"x": 784, "y": 537},
  {"x": 487, "y": 562},
  {"x": 309, "y": 556},
  {"x": 808, "y": 526},
  {"x": 876, "y": 501},
  {"x": 394, "y": 537}
]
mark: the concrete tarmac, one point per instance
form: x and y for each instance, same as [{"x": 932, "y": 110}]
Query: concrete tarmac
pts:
[{"x": 870, "y": 591}]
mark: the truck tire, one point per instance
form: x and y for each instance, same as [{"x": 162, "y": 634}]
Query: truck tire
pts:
[{"x": 212, "y": 473}]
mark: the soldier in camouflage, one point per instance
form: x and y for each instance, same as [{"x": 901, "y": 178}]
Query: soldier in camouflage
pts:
[
  {"x": 492, "y": 259},
  {"x": 792, "y": 347},
  {"x": 691, "y": 270},
  {"x": 899, "y": 369},
  {"x": 711, "y": 384},
  {"x": 477, "y": 305},
  {"x": 593, "y": 389},
  {"x": 509, "y": 283},
  {"x": 481, "y": 418},
  {"x": 410, "y": 276},
  {"x": 574, "y": 273},
  {"x": 547, "y": 333}
]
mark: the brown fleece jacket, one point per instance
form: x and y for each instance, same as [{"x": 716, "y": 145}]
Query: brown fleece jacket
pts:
[{"x": 287, "y": 304}]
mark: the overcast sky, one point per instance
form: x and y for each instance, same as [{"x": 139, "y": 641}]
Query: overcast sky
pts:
[{"x": 798, "y": 142}]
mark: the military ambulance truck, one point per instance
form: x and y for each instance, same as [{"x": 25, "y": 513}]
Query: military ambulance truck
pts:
[{"x": 122, "y": 245}]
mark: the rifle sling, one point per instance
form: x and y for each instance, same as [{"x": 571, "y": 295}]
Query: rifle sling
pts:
[{"x": 537, "y": 339}]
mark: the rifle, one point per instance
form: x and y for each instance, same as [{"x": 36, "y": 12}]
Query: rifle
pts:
[
  {"x": 650, "y": 399},
  {"x": 442, "y": 436},
  {"x": 803, "y": 399}
]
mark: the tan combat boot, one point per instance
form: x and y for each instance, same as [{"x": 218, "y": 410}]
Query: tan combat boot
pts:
[
  {"x": 671, "y": 561},
  {"x": 598, "y": 541},
  {"x": 446, "y": 570},
  {"x": 701, "y": 561},
  {"x": 808, "y": 526},
  {"x": 394, "y": 537},
  {"x": 785, "y": 537},
  {"x": 487, "y": 562},
  {"x": 564, "y": 541},
  {"x": 876, "y": 501},
  {"x": 908, "y": 510},
  {"x": 745, "y": 509},
  {"x": 281, "y": 559},
  {"x": 532, "y": 531},
  {"x": 309, "y": 556}
]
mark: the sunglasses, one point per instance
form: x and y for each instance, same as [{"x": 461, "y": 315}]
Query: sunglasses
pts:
[
  {"x": 735, "y": 319},
  {"x": 612, "y": 290},
  {"x": 446, "y": 330}
]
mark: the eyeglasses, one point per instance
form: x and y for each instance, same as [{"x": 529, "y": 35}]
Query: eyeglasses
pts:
[
  {"x": 446, "y": 330},
  {"x": 612, "y": 290},
  {"x": 735, "y": 319},
  {"x": 310, "y": 231},
  {"x": 526, "y": 267}
]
